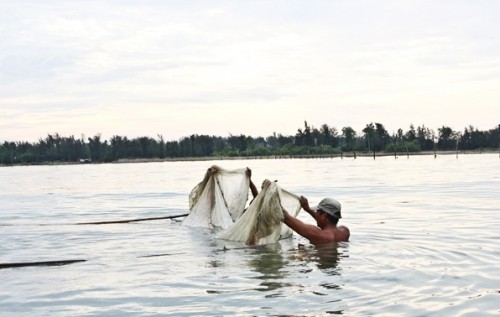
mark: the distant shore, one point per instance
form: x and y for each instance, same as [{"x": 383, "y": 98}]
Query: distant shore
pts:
[
  {"x": 270, "y": 157},
  {"x": 305, "y": 156}
]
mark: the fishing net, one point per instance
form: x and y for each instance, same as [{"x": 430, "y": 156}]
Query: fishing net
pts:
[
  {"x": 219, "y": 199},
  {"x": 261, "y": 223}
]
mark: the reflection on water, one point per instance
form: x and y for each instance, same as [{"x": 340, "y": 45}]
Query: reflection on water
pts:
[
  {"x": 325, "y": 256},
  {"x": 269, "y": 261},
  {"x": 328, "y": 256},
  {"x": 272, "y": 263}
]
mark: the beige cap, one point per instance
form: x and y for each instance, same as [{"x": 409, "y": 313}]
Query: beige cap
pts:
[{"x": 330, "y": 206}]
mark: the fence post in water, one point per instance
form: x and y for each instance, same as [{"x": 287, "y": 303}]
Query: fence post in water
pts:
[{"x": 395, "y": 146}]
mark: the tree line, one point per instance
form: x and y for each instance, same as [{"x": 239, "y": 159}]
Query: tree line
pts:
[{"x": 308, "y": 140}]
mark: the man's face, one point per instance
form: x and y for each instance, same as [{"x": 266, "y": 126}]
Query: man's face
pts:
[{"x": 321, "y": 217}]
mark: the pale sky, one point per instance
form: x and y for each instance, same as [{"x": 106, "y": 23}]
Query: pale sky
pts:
[{"x": 176, "y": 68}]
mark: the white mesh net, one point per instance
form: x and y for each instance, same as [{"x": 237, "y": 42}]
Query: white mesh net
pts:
[
  {"x": 261, "y": 223},
  {"x": 218, "y": 202},
  {"x": 218, "y": 199}
]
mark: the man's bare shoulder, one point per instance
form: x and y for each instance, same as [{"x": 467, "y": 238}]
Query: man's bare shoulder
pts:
[{"x": 344, "y": 233}]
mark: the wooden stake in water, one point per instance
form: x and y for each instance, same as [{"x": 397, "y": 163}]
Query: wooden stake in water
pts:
[{"x": 395, "y": 146}]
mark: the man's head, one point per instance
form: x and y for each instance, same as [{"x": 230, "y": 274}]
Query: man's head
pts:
[{"x": 331, "y": 207}]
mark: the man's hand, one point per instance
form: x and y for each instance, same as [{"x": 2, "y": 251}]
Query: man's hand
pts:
[
  {"x": 212, "y": 170},
  {"x": 304, "y": 203},
  {"x": 265, "y": 182},
  {"x": 249, "y": 172}
]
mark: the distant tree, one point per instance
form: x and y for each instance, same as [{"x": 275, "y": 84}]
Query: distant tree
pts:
[
  {"x": 49, "y": 147},
  {"x": 369, "y": 132},
  {"x": 71, "y": 149},
  {"x": 97, "y": 148},
  {"x": 425, "y": 138},
  {"x": 172, "y": 149},
  {"x": 327, "y": 136},
  {"x": 466, "y": 139},
  {"x": 400, "y": 134},
  {"x": 147, "y": 146},
  {"x": 119, "y": 147},
  {"x": 161, "y": 147},
  {"x": 251, "y": 144},
  {"x": 238, "y": 143},
  {"x": 492, "y": 137},
  {"x": 284, "y": 140},
  {"x": 304, "y": 137},
  {"x": 381, "y": 137},
  {"x": 445, "y": 138},
  {"x": 479, "y": 139},
  {"x": 350, "y": 137},
  {"x": 411, "y": 135},
  {"x": 219, "y": 144},
  {"x": 205, "y": 145},
  {"x": 308, "y": 137},
  {"x": 25, "y": 153},
  {"x": 316, "y": 137},
  {"x": 272, "y": 141},
  {"x": 257, "y": 142},
  {"x": 8, "y": 153},
  {"x": 186, "y": 147},
  {"x": 307, "y": 140}
]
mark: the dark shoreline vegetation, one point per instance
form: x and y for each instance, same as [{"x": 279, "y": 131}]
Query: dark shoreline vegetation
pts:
[{"x": 308, "y": 142}]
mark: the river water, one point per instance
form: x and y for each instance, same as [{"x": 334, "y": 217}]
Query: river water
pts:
[{"x": 425, "y": 237}]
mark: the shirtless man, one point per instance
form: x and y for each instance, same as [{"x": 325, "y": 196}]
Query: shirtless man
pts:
[{"x": 327, "y": 215}]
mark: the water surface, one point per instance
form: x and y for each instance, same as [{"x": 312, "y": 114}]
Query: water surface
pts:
[{"x": 424, "y": 241}]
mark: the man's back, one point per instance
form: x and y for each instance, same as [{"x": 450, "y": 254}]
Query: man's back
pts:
[{"x": 329, "y": 234}]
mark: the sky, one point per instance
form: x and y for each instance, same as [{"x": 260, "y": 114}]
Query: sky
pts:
[{"x": 177, "y": 68}]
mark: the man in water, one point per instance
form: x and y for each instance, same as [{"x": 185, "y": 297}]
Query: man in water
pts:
[{"x": 327, "y": 215}]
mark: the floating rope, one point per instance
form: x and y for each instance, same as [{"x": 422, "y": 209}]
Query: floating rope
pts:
[
  {"x": 42, "y": 263},
  {"x": 130, "y": 220}
]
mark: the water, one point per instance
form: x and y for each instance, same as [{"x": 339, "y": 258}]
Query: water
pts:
[{"x": 424, "y": 241}]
